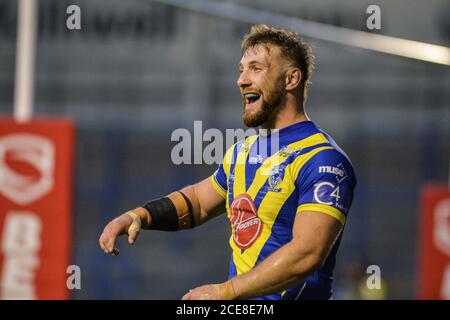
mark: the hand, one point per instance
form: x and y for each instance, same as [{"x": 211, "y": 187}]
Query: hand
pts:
[
  {"x": 221, "y": 291},
  {"x": 128, "y": 223}
]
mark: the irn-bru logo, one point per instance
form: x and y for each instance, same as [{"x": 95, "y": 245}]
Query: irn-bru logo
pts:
[{"x": 246, "y": 224}]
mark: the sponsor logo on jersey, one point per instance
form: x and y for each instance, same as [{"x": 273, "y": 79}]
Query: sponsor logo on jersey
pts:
[
  {"x": 287, "y": 151},
  {"x": 246, "y": 224},
  {"x": 255, "y": 159},
  {"x": 338, "y": 171},
  {"x": 231, "y": 179}
]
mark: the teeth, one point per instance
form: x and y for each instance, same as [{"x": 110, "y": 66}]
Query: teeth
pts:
[{"x": 251, "y": 95}]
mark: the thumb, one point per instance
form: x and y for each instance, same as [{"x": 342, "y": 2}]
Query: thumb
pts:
[
  {"x": 132, "y": 236},
  {"x": 134, "y": 228}
]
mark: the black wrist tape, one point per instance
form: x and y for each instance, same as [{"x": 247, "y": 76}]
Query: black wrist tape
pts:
[
  {"x": 191, "y": 212},
  {"x": 164, "y": 214}
]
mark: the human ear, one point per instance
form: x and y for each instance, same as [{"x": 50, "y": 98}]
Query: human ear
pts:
[{"x": 293, "y": 78}]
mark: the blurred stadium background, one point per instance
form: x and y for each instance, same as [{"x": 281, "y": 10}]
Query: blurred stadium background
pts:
[{"x": 139, "y": 69}]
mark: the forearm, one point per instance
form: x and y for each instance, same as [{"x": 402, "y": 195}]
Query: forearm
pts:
[
  {"x": 284, "y": 268},
  {"x": 170, "y": 213},
  {"x": 184, "y": 212},
  {"x": 313, "y": 237}
]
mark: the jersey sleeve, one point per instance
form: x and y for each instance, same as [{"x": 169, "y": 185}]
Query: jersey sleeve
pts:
[
  {"x": 219, "y": 178},
  {"x": 326, "y": 184}
]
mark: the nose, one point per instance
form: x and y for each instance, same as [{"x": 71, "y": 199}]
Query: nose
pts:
[{"x": 243, "y": 80}]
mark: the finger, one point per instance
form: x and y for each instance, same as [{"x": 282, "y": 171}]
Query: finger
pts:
[
  {"x": 101, "y": 243},
  {"x": 134, "y": 228},
  {"x": 105, "y": 240},
  {"x": 114, "y": 251},
  {"x": 104, "y": 249},
  {"x": 133, "y": 236},
  {"x": 111, "y": 242}
]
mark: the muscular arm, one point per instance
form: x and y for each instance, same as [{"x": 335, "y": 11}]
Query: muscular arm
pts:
[
  {"x": 206, "y": 204},
  {"x": 313, "y": 237},
  {"x": 314, "y": 234}
]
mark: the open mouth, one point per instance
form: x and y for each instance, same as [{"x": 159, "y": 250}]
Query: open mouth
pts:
[{"x": 251, "y": 97}]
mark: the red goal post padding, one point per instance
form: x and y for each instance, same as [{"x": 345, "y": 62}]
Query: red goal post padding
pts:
[
  {"x": 434, "y": 245},
  {"x": 36, "y": 171}
]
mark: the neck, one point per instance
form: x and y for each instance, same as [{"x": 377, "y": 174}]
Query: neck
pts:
[{"x": 292, "y": 112}]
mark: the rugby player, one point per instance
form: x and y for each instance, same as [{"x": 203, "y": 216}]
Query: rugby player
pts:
[{"x": 287, "y": 205}]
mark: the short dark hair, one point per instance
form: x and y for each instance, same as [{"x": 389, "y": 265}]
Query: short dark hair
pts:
[{"x": 291, "y": 45}]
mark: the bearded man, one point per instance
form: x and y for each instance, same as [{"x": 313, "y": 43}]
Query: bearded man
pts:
[{"x": 288, "y": 207}]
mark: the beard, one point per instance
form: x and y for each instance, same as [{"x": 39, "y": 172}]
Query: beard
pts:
[{"x": 269, "y": 109}]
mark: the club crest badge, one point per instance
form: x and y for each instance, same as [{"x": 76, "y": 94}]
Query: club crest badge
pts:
[{"x": 276, "y": 176}]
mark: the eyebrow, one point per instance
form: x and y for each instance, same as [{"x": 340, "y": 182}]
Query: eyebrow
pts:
[{"x": 252, "y": 62}]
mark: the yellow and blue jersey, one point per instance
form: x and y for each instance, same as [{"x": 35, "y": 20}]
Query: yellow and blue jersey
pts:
[{"x": 267, "y": 180}]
